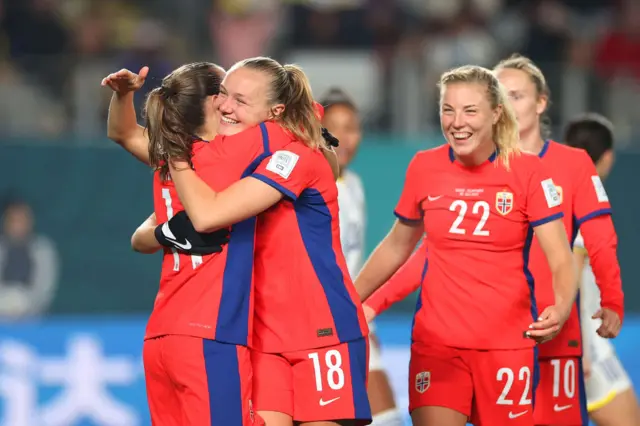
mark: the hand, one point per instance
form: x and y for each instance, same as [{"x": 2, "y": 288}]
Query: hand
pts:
[
  {"x": 179, "y": 233},
  {"x": 611, "y": 323},
  {"x": 125, "y": 81},
  {"x": 548, "y": 325},
  {"x": 369, "y": 313}
]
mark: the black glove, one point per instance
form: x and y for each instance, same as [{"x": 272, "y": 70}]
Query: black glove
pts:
[{"x": 179, "y": 233}]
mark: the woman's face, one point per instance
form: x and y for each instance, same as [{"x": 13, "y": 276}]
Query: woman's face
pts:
[
  {"x": 343, "y": 122},
  {"x": 466, "y": 117},
  {"x": 524, "y": 98},
  {"x": 243, "y": 101}
]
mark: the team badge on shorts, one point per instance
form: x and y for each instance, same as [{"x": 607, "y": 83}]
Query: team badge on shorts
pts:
[
  {"x": 423, "y": 381},
  {"x": 504, "y": 202}
]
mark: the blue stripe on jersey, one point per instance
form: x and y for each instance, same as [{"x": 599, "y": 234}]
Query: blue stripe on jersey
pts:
[
  {"x": 223, "y": 382},
  {"x": 314, "y": 223},
  {"x": 526, "y": 251},
  {"x": 546, "y": 219},
  {"x": 406, "y": 219},
  {"x": 419, "y": 301},
  {"x": 233, "y": 313},
  {"x": 584, "y": 413},
  {"x": 593, "y": 215},
  {"x": 358, "y": 365},
  {"x": 536, "y": 376},
  {"x": 275, "y": 185},
  {"x": 545, "y": 148}
]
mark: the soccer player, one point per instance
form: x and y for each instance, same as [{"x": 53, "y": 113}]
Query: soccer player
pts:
[
  {"x": 480, "y": 201},
  {"x": 560, "y": 398},
  {"x": 610, "y": 396},
  {"x": 342, "y": 119},
  {"x": 309, "y": 349},
  {"x": 196, "y": 359}
]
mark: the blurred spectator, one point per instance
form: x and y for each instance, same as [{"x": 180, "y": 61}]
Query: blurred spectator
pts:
[
  {"x": 148, "y": 48},
  {"x": 244, "y": 28},
  {"x": 39, "y": 43},
  {"x": 28, "y": 265},
  {"x": 619, "y": 53}
]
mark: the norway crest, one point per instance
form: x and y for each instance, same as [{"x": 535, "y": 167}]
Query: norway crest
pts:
[
  {"x": 423, "y": 381},
  {"x": 504, "y": 202}
]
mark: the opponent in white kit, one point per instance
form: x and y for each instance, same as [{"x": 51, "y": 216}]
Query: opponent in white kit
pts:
[
  {"x": 342, "y": 120},
  {"x": 610, "y": 396}
]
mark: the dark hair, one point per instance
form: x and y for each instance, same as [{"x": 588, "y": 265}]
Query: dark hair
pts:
[
  {"x": 591, "y": 132},
  {"x": 336, "y": 96},
  {"x": 175, "y": 112},
  {"x": 526, "y": 65},
  {"x": 290, "y": 87}
]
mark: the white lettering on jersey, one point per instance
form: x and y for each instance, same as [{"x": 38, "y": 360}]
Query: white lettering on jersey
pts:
[
  {"x": 551, "y": 193},
  {"x": 601, "y": 193},
  {"x": 282, "y": 163}
]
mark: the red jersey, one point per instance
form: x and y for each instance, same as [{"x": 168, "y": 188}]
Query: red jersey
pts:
[
  {"x": 477, "y": 292},
  {"x": 583, "y": 199},
  {"x": 305, "y": 298},
  {"x": 210, "y": 296}
]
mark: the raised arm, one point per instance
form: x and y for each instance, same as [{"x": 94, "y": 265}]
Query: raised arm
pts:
[{"x": 122, "y": 124}]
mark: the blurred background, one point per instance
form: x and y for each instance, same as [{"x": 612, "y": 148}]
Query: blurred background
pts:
[{"x": 74, "y": 298}]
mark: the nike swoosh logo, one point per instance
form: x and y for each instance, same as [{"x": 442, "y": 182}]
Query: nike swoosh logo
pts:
[
  {"x": 516, "y": 415},
  {"x": 434, "y": 198},
  {"x": 561, "y": 407},
  {"x": 172, "y": 238},
  {"x": 323, "y": 402},
  {"x": 185, "y": 246}
]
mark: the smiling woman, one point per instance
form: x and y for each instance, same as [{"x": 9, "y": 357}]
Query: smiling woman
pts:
[
  {"x": 475, "y": 117},
  {"x": 477, "y": 198}
]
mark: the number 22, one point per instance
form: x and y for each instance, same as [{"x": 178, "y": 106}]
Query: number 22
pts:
[
  {"x": 477, "y": 207},
  {"x": 523, "y": 374}
]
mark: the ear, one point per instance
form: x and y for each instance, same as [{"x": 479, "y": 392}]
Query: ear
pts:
[
  {"x": 497, "y": 112},
  {"x": 541, "y": 105},
  {"x": 277, "y": 110}
]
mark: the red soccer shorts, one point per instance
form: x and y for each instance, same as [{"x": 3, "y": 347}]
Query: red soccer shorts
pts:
[
  {"x": 327, "y": 383},
  {"x": 560, "y": 398},
  {"x": 491, "y": 387},
  {"x": 197, "y": 382}
]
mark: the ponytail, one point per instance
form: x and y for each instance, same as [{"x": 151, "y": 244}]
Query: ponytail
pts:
[
  {"x": 167, "y": 136},
  {"x": 175, "y": 112},
  {"x": 300, "y": 114},
  {"x": 505, "y": 132}
]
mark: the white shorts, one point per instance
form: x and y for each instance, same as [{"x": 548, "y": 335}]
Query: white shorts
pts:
[
  {"x": 608, "y": 377},
  {"x": 375, "y": 360}
]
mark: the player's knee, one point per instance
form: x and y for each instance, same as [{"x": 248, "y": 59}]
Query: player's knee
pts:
[{"x": 391, "y": 417}]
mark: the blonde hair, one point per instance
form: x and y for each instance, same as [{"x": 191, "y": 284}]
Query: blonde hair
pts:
[
  {"x": 505, "y": 131},
  {"x": 526, "y": 65},
  {"x": 290, "y": 86}
]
